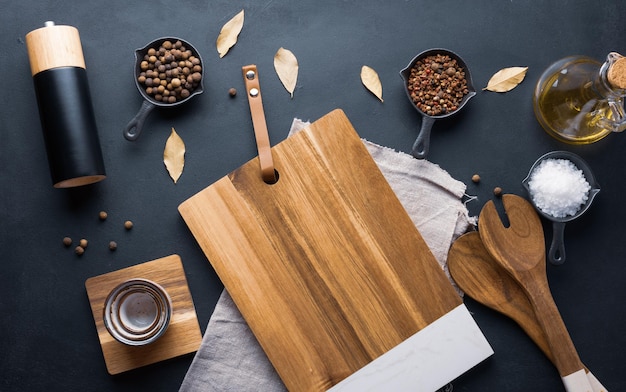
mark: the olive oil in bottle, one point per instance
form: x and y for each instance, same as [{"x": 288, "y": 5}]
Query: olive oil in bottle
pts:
[{"x": 579, "y": 100}]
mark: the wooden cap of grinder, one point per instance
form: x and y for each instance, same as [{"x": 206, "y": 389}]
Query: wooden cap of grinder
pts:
[
  {"x": 65, "y": 109},
  {"x": 54, "y": 46}
]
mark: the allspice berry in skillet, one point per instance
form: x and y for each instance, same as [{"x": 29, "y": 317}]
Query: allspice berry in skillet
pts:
[
  {"x": 170, "y": 72},
  {"x": 83, "y": 243},
  {"x": 103, "y": 215},
  {"x": 128, "y": 225},
  {"x": 79, "y": 250},
  {"x": 67, "y": 241}
]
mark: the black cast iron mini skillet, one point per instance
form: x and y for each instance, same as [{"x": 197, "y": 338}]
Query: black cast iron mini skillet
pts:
[
  {"x": 556, "y": 254},
  {"x": 134, "y": 127},
  {"x": 422, "y": 143}
]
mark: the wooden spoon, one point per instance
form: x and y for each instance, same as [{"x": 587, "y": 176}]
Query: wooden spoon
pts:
[
  {"x": 479, "y": 276},
  {"x": 520, "y": 250},
  {"x": 482, "y": 278}
]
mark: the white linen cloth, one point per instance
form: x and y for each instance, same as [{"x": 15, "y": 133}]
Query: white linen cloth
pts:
[{"x": 231, "y": 359}]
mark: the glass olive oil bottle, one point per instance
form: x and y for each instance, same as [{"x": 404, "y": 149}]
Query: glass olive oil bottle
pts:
[{"x": 579, "y": 100}]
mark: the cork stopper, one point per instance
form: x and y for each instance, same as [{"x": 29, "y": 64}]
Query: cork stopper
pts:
[{"x": 617, "y": 73}]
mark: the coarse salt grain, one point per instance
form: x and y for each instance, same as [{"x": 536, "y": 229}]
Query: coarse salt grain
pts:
[{"x": 558, "y": 187}]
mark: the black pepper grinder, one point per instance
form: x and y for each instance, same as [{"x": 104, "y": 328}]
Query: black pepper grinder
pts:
[{"x": 65, "y": 109}]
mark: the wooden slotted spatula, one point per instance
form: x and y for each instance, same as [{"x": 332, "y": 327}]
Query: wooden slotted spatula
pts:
[
  {"x": 520, "y": 250},
  {"x": 482, "y": 278}
]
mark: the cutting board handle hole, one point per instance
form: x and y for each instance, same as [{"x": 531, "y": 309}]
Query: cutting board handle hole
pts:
[{"x": 270, "y": 182}]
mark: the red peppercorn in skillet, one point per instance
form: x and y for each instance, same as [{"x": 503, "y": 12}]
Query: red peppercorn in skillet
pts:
[{"x": 437, "y": 84}]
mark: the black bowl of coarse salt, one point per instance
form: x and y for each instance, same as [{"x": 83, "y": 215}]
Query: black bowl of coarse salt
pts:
[{"x": 561, "y": 187}]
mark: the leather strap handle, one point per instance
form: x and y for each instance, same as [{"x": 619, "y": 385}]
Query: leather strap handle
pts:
[{"x": 253, "y": 90}]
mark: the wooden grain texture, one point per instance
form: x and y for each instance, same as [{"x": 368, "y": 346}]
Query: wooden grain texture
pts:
[
  {"x": 183, "y": 335},
  {"x": 325, "y": 265},
  {"x": 482, "y": 278},
  {"x": 520, "y": 250},
  {"x": 54, "y": 46}
]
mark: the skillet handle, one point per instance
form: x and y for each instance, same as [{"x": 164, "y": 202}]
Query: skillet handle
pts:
[
  {"x": 134, "y": 127},
  {"x": 422, "y": 143},
  {"x": 556, "y": 255}
]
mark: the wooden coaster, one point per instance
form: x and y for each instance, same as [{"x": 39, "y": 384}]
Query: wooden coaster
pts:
[{"x": 183, "y": 335}]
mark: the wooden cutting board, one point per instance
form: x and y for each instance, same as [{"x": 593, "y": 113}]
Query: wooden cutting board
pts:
[{"x": 325, "y": 265}]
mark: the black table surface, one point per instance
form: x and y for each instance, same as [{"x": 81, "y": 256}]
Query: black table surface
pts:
[{"x": 47, "y": 336}]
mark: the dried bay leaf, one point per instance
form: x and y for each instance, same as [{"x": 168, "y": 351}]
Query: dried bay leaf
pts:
[
  {"x": 229, "y": 33},
  {"x": 286, "y": 66},
  {"x": 371, "y": 81},
  {"x": 174, "y": 155},
  {"x": 506, "y": 79}
]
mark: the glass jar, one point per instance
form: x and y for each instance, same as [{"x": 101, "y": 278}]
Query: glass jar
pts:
[
  {"x": 579, "y": 100},
  {"x": 137, "y": 312}
]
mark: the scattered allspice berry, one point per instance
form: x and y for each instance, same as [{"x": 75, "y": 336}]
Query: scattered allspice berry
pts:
[
  {"x": 83, "y": 243},
  {"x": 79, "y": 250},
  {"x": 112, "y": 245},
  {"x": 476, "y": 178},
  {"x": 497, "y": 191},
  {"x": 232, "y": 92},
  {"x": 67, "y": 241},
  {"x": 103, "y": 215},
  {"x": 128, "y": 225}
]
